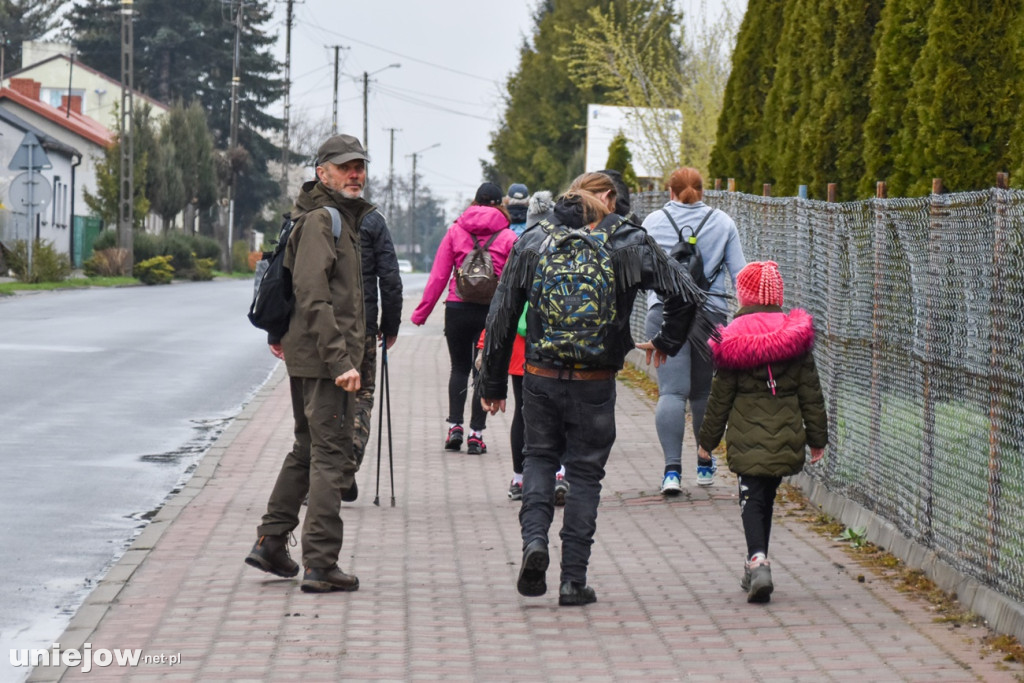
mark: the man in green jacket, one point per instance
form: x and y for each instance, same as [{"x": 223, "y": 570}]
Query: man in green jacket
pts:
[{"x": 323, "y": 350}]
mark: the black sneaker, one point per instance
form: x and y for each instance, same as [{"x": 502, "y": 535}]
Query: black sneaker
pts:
[
  {"x": 454, "y": 440},
  {"x": 515, "y": 491},
  {"x": 270, "y": 554},
  {"x": 351, "y": 494},
  {"x": 532, "y": 580},
  {"x": 476, "y": 446},
  {"x": 572, "y": 594}
]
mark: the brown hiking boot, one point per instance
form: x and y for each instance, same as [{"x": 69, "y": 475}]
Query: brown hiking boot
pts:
[
  {"x": 270, "y": 554},
  {"x": 327, "y": 579}
]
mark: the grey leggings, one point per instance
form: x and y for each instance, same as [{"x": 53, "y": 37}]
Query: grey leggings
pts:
[{"x": 686, "y": 376}]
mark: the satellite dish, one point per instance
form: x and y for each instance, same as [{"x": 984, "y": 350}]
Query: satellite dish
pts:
[{"x": 29, "y": 187}]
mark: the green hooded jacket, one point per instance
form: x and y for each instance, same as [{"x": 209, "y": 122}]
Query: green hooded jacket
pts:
[
  {"x": 326, "y": 333},
  {"x": 766, "y": 396}
]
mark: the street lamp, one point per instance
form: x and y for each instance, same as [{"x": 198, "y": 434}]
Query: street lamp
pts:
[
  {"x": 366, "y": 88},
  {"x": 412, "y": 203}
]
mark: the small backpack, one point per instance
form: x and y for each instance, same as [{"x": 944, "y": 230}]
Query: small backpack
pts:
[
  {"x": 272, "y": 297},
  {"x": 688, "y": 254},
  {"x": 573, "y": 295},
  {"x": 475, "y": 280}
]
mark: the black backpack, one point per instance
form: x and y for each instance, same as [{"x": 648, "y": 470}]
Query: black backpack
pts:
[
  {"x": 475, "y": 280},
  {"x": 272, "y": 297},
  {"x": 688, "y": 254}
]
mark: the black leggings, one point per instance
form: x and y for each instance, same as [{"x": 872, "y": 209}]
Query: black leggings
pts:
[
  {"x": 463, "y": 324},
  {"x": 757, "y": 501}
]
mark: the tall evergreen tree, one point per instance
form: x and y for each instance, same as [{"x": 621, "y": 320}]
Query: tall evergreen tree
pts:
[
  {"x": 735, "y": 154},
  {"x": 22, "y": 20},
  {"x": 794, "y": 103},
  {"x": 184, "y": 50},
  {"x": 836, "y": 133},
  {"x": 900, "y": 38},
  {"x": 543, "y": 126},
  {"x": 967, "y": 109}
]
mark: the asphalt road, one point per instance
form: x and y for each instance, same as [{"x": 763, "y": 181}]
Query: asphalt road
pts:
[{"x": 108, "y": 397}]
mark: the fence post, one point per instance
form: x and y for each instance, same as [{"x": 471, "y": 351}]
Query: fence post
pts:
[
  {"x": 831, "y": 193},
  {"x": 718, "y": 184},
  {"x": 766, "y": 190},
  {"x": 732, "y": 184},
  {"x": 801, "y": 192},
  {"x": 997, "y": 393},
  {"x": 876, "y": 465},
  {"x": 936, "y": 214}
]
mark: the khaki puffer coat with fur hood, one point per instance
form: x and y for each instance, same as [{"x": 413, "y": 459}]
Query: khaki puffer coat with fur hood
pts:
[{"x": 767, "y": 429}]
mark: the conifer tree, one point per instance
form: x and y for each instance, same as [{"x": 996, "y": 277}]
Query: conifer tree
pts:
[
  {"x": 966, "y": 110},
  {"x": 781, "y": 145},
  {"x": 753, "y": 71},
  {"x": 835, "y": 133},
  {"x": 621, "y": 159},
  {"x": 900, "y": 37}
]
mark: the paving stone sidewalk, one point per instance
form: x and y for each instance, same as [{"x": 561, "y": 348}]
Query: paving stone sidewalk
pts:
[{"x": 437, "y": 599}]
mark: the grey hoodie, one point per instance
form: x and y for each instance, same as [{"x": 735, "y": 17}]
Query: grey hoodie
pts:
[{"x": 719, "y": 242}]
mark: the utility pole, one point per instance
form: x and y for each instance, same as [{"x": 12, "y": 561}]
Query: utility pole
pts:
[
  {"x": 126, "y": 198},
  {"x": 412, "y": 203},
  {"x": 233, "y": 143},
  {"x": 287, "y": 98},
  {"x": 391, "y": 173},
  {"x": 337, "y": 66}
]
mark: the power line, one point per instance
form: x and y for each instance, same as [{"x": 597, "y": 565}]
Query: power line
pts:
[{"x": 409, "y": 57}]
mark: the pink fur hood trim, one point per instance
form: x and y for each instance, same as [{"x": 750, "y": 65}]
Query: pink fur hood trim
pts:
[{"x": 755, "y": 339}]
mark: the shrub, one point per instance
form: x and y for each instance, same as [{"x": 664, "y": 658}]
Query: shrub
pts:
[
  {"x": 155, "y": 271},
  {"x": 203, "y": 269},
  {"x": 178, "y": 245},
  {"x": 206, "y": 247},
  {"x": 145, "y": 246},
  {"x": 48, "y": 264},
  {"x": 240, "y": 257},
  {"x": 107, "y": 263},
  {"x": 107, "y": 239}
]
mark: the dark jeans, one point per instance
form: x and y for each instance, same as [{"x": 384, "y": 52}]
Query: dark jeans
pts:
[
  {"x": 463, "y": 324},
  {"x": 321, "y": 463},
  {"x": 757, "y": 501},
  {"x": 517, "y": 436},
  {"x": 568, "y": 422}
]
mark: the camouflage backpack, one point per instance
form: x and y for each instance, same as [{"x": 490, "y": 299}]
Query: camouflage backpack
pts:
[{"x": 573, "y": 295}]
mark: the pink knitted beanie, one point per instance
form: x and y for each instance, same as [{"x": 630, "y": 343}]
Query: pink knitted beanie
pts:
[{"x": 760, "y": 283}]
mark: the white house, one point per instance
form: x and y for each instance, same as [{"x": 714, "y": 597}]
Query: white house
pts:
[
  {"x": 61, "y": 78},
  {"x": 72, "y": 142}
]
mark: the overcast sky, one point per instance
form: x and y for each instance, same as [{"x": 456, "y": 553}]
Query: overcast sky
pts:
[{"x": 455, "y": 57}]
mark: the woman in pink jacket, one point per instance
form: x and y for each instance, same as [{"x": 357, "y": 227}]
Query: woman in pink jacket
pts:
[{"x": 463, "y": 321}]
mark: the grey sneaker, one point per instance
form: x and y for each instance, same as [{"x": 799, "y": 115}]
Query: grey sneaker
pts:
[{"x": 758, "y": 577}]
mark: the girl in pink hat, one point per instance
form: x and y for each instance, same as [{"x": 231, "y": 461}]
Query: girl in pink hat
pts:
[{"x": 766, "y": 399}]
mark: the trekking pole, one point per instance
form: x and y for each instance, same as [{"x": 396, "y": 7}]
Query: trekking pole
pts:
[
  {"x": 387, "y": 399},
  {"x": 380, "y": 416}
]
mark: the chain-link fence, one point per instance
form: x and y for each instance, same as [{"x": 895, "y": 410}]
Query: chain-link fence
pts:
[{"x": 918, "y": 313}]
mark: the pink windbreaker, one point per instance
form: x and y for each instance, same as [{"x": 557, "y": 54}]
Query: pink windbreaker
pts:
[{"x": 482, "y": 221}]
